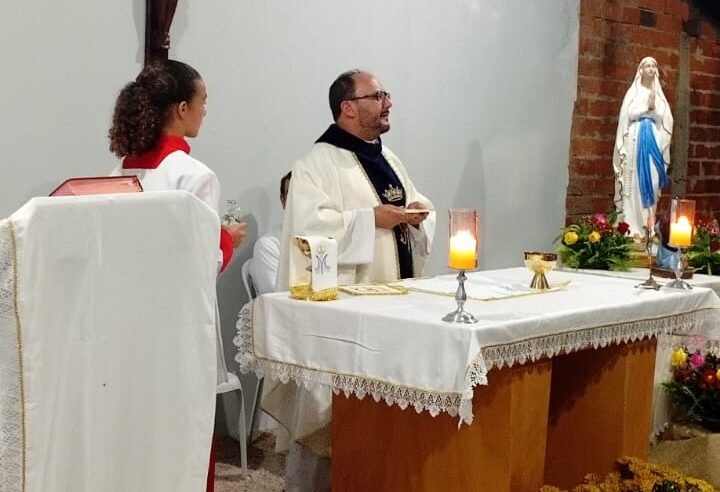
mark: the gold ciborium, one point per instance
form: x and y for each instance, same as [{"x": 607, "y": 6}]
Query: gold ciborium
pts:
[{"x": 540, "y": 263}]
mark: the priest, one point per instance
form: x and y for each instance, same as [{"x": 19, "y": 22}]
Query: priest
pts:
[{"x": 354, "y": 189}]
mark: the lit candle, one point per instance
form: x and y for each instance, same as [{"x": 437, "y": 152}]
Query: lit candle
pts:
[
  {"x": 681, "y": 232},
  {"x": 463, "y": 251}
]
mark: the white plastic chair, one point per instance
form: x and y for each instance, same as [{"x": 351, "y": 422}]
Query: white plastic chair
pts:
[
  {"x": 232, "y": 383},
  {"x": 251, "y": 294},
  {"x": 247, "y": 280}
]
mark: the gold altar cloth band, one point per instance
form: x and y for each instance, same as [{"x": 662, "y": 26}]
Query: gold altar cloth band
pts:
[{"x": 19, "y": 338}]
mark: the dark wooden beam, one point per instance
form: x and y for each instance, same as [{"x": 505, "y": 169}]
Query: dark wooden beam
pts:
[{"x": 158, "y": 19}]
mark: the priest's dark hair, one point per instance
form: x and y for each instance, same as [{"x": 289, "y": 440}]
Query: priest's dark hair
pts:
[
  {"x": 342, "y": 89},
  {"x": 143, "y": 106}
]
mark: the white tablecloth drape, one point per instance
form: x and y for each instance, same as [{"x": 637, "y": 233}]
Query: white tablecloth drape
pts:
[
  {"x": 667, "y": 343},
  {"x": 397, "y": 348},
  {"x": 107, "y": 343}
]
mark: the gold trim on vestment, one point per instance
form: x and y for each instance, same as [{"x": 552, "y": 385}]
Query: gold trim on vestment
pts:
[
  {"x": 21, "y": 367},
  {"x": 372, "y": 187}
]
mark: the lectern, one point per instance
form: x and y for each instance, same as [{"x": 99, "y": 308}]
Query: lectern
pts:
[{"x": 107, "y": 343}]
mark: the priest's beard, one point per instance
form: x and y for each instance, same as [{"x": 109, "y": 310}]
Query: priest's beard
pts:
[{"x": 373, "y": 124}]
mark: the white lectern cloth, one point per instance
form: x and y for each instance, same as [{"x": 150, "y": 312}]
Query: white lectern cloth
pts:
[
  {"x": 398, "y": 349},
  {"x": 117, "y": 356}
]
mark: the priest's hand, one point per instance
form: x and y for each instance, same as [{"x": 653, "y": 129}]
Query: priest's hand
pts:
[
  {"x": 237, "y": 232},
  {"x": 416, "y": 218},
  {"x": 388, "y": 216}
]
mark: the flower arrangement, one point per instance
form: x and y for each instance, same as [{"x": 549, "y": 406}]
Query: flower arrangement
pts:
[
  {"x": 595, "y": 242},
  {"x": 634, "y": 475},
  {"x": 695, "y": 385},
  {"x": 704, "y": 254}
]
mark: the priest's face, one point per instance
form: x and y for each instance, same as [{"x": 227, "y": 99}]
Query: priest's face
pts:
[{"x": 373, "y": 113}]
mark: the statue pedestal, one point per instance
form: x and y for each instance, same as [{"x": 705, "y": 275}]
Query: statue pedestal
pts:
[
  {"x": 668, "y": 273},
  {"x": 641, "y": 259}
]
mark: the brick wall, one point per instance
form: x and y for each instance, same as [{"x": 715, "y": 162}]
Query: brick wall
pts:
[{"x": 614, "y": 36}]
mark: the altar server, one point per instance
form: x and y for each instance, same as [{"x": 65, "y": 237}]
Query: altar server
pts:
[{"x": 153, "y": 115}]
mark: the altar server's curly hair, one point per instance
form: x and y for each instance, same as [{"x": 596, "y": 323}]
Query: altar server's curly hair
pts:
[
  {"x": 143, "y": 106},
  {"x": 343, "y": 88}
]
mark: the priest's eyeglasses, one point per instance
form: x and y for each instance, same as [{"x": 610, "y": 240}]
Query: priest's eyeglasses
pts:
[{"x": 379, "y": 96}]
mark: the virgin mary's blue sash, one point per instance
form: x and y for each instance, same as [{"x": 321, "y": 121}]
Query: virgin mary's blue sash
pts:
[{"x": 648, "y": 150}]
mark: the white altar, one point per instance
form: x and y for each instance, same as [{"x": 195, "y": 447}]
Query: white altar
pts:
[
  {"x": 396, "y": 348},
  {"x": 107, "y": 343}
]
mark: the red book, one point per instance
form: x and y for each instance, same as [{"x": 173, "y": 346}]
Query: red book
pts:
[{"x": 99, "y": 185}]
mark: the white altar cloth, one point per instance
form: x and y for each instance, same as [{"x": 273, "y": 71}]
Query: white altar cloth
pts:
[
  {"x": 107, "y": 343},
  {"x": 398, "y": 349}
]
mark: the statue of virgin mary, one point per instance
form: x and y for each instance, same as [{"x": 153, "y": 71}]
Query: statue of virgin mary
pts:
[{"x": 642, "y": 149}]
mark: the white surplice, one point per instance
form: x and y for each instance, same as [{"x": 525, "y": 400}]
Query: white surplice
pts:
[{"x": 178, "y": 171}]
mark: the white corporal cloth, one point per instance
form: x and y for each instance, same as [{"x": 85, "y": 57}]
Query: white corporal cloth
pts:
[
  {"x": 398, "y": 349},
  {"x": 107, "y": 343}
]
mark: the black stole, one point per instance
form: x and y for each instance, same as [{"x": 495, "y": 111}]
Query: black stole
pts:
[{"x": 383, "y": 178}]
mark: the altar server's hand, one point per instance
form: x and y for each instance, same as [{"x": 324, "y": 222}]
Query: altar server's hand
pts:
[
  {"x": 237, "y": 232},
  {"x": 388, "y": 216},
  {"x": 415, "y": 219}
]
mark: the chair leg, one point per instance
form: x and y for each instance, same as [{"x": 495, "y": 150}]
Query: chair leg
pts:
[
  {"x": 254, "y": 418},
  {"x": 242, "y": 432}
]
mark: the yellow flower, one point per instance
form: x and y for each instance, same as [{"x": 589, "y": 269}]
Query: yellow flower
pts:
[
  {"x": 570, "y": 237},
  {"x": 594, "y": 236},
  {"x": 679, "y": 357},
  {"x": 717, "y": 374}
]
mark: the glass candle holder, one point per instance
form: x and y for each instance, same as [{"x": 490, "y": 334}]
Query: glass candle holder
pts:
[
  {"x": 682, "y": 228},
  {"x": 462, "y": 255},
  {"x": 463, "y": 232}
]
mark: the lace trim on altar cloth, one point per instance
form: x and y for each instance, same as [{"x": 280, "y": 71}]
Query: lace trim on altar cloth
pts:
[
  {"x": 12, "y": 430},
  {"x": 489, "y": 357},
  {"x": 595, "y": 337},
  {"x": 393, "y": 394}
]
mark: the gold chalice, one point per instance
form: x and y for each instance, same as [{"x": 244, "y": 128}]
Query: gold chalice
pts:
[{"x": 540, "y": 263}]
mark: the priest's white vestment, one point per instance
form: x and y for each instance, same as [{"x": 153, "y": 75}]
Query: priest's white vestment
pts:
[{"x": 331, "y": 195}]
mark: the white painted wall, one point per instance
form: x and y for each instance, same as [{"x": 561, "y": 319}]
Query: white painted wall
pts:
[
  {"x": 482, "y": 90},
  {"x": 483, "y": 94},
  {"x": 62, "y": 65}
]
